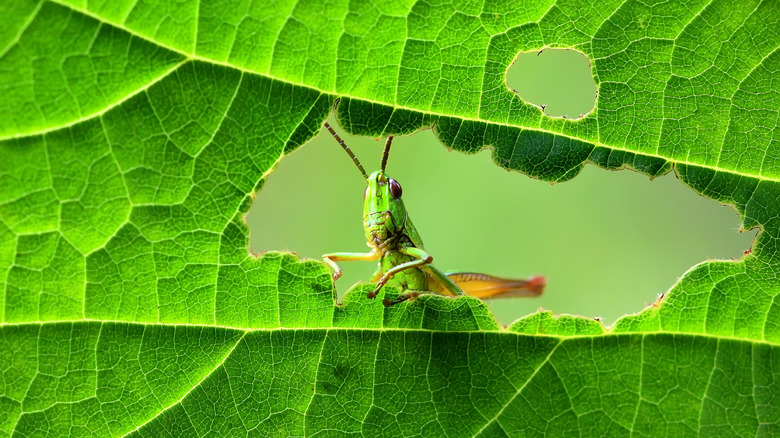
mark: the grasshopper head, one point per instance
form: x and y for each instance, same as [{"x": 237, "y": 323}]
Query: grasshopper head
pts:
[{"x": 384, "y": 213}]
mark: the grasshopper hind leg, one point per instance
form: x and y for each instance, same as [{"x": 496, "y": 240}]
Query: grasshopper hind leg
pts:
[{"x": 407, "y": 296}]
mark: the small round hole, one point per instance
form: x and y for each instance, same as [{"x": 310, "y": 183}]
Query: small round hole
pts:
[{"x": 557, "y": 80}]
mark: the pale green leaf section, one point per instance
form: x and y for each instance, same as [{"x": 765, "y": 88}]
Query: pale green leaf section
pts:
[{"x": 133, "y": 135}]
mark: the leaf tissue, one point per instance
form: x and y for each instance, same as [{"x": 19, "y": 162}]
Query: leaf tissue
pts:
[{"x": 134, "y": 134}]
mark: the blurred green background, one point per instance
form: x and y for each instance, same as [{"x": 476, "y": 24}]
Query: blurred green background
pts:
[{"x": 609, "y": 242}]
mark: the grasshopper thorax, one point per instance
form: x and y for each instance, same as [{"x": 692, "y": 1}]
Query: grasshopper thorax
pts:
[{"x": 384, "y": 214}]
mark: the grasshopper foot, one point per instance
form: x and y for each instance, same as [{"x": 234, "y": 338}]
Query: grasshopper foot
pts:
[{"x": 375, "y": 292}]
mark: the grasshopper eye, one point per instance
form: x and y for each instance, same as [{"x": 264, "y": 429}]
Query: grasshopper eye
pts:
[
  {"x": 395, "y": 188},
  {"x": 365, "y": 193}
]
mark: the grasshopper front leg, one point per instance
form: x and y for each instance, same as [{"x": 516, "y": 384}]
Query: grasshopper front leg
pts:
[{"x": 331, "y": 259}]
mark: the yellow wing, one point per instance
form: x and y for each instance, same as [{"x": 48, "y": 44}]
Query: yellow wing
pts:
[{"x": 486, "y": 286}]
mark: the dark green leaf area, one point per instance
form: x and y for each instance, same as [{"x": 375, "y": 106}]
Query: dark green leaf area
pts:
[
  {"x": 160, "y": 380},
  {"x": 543, "y": 155}
]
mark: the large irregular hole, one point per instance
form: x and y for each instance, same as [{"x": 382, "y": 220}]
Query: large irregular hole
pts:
[
  {"x": 608, "y": 242},
  {"x": 557, "y": 80}
]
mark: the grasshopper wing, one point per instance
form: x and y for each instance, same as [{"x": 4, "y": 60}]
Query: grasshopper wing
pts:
[{"x": 486, "y": 286}]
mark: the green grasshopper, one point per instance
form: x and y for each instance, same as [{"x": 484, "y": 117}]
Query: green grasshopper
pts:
[{"x": 403, "y": 261}]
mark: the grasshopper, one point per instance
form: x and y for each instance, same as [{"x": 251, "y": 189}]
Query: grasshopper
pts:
[{"x": 403, "y": 261}]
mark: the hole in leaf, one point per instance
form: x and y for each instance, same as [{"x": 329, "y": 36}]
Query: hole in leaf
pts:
[
  {"x": 607, "y": 242},
  {"x": 557, "y": 80}
]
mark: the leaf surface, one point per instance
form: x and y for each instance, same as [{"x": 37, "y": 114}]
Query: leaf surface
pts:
[{"x": 133, "y": 135}]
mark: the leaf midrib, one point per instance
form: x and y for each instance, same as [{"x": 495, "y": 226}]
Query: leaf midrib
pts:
[
  {"x": 190, "y": 57},
  {"x": 247, "y": 330}
]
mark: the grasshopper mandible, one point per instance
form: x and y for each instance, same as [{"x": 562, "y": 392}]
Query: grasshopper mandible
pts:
[{"x": 403, "y": 261}]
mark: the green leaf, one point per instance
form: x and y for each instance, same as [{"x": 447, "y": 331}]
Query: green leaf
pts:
[{"x": 133, "y": 135}]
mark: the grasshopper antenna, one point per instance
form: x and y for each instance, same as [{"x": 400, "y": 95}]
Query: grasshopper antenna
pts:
[
  {"x": 386, "y": 153},
  {"x": 346, "y": 148}
]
